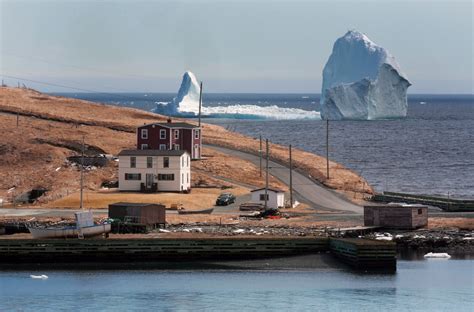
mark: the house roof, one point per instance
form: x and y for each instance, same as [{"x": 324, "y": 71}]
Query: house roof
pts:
[
  {"x": 184, "y": 125},
  {"x": 270, "y": 189},
  {"x": 133, "y": 204},
  {"x": 152, "y": 152}
]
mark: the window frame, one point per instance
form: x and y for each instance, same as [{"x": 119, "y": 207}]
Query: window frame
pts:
[
  {"x": 166, "y": 177},
  {"x": 149, "y": 162},
  {"x": 162, "y": 134},
  {"x": 262, "y": 197},
  {"x": 162, "y": 147},
  {"x": 176, "y": 134},
  {"x": 196, "y": 133},
  {"x": 144, "y": 134},
  {"x": 133, "y": 161},
  {"x": 133, "y": 176},
  {"x": 144, "y": 146},
  {"x": 166, "y": 162}
]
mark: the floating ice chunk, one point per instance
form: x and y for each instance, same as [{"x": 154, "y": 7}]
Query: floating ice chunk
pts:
[
  {"x": 239, "y": 231},
  {"x": 164, "y": 231},
  {"x": 361, "y": 80},
  {"x": 398, "y": 236},
  {"x": 186, "y": 104},
  {"x": 39, "y": 276},
  {"x": 385, "y": 238},
  {"x": 437, "y": 255}
]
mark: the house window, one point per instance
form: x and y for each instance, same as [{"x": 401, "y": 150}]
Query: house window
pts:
[
  {"x": 133, "y": 176},
  {"x": 144, "y": 133},
  {"x": 262, "y": 197},
  {"x": 182, "y": 161},
  {"x": 166, "y": 162},
  {"x": 149, "y": 162},
  {"x": 176, "y": 134},
  {"x": 420, "y": 211},
  {"x": 187, "y": 161},
  {"x": 162, "y": 134},
  {"x": 162, "y": 147},
  {"x": 182, "y": 177},
  {"x": 165, "y": 177},
  {"x": 144, "y": 146},
  {"x": 187, "y": 178},
  {"x": 133, "y": 162},
  {"x": 176, "y": 147},
  {"x": 196, "y": 134}
]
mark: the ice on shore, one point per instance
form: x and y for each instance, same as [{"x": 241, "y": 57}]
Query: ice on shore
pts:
[
  {"x": 362, "y": 80},
  {"x": 39, "y": 276},
  {"x": 186, "y": 104}
]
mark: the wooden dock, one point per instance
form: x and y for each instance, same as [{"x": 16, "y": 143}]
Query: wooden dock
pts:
[
  {"x": 358, "y": 253},
  {"x": 162, "y": 249},
  {"x": 365, "y": 254},
  {"x": 448, "y": 204}
]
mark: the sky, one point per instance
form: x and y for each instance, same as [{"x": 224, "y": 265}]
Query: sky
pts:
[{"x": 232, "y": 46}]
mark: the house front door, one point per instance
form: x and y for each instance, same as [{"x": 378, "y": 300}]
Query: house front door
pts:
[{"x": 149, "y": 180}]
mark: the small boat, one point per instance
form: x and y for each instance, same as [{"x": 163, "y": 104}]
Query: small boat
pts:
[
  {"x": 204, "y": 211},
  {"x": 69, "y": 231}
]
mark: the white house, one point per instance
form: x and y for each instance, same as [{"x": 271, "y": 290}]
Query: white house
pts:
[
  {"x": 275, "y": 197},
  {"x": 154, "y": 170}
]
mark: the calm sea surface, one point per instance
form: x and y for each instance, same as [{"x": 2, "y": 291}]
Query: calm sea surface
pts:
[
  {"x": 431, "y": 151},
  {"x": 427, "y": 285}
]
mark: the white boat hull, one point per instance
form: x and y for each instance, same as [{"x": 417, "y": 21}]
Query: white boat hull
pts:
[{"x": 69, "y": 231}]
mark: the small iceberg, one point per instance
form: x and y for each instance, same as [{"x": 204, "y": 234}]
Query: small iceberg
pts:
[
  {"x": 437, "y": 255},
  {"x": 43, "y": 277}
]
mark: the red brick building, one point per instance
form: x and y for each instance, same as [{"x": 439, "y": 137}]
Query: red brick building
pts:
[{"x": 170, "y": 136}]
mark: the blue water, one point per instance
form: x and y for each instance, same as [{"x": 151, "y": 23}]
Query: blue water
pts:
[
  {"x": 430, "y": 152},
  {"x": 429, "y": 285}
]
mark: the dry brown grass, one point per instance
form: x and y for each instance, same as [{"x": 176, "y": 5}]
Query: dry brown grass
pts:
[
  {"x": 460, "y": 223},
  {"x": 197, "y": 199},
  {"x": 27, "y": 161}
]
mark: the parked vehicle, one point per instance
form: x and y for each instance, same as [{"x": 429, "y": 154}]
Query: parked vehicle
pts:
[{"x": 225, "y": 199}]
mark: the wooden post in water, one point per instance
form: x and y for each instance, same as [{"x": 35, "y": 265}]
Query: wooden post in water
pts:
[
  {"x": 200, "y": 103},
  {"x": 327, "y": 148},
  {"x": 291, "y": 179},
  {"x": 266, "y": 176}
]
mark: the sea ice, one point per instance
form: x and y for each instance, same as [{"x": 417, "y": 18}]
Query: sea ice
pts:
[
  {"x": 440, "y": 255},
  {"x": 362, "y": 80},
  {"x": 186, "y": 104}
]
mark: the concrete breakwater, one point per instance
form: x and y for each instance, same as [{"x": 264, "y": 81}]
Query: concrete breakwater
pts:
[
  {"x": 51, "y": 251},
  {"x": 447, "y": 204}
]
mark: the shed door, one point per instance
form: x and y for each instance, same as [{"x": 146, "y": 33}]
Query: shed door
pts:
[{"x": 376, "y": 217}]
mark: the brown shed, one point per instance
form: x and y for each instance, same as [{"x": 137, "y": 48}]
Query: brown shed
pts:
[
  {"x": 142, "y": 213},
  {"x": 396, "y": 216}
]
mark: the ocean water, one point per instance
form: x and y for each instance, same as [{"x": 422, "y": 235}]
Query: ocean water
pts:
[
  {"x": 429, "y": 152},
  {"x": 428, "y": 285}
]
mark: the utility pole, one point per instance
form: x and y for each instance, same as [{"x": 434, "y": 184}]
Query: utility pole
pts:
[
  {"x": 200, "y": 103},
  {"x": 82, "y": 174},
  {"x": 266, "y": 176},
  {"x": 291, "y": 179},
  {"x": 260, "y": 151},
  {"x": 327, "y": 148}
]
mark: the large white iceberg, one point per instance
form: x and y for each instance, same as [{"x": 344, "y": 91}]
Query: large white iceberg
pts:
[
  {"x": 186, "y": 104},
  {"x": 362, "y": 80}
]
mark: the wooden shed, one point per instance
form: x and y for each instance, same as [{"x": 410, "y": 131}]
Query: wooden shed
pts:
[
  {"x": 141, "y": 213},
  {"x": 399, "y": 216}
]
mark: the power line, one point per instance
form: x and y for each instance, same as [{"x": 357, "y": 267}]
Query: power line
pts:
[{"x": 72, "y": 88}]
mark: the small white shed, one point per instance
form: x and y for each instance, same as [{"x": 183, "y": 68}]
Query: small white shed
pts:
[{"x": 275, "y": 197}]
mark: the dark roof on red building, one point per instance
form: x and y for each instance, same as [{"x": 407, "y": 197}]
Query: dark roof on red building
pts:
[
  {"x": 172, "y": 125},
  {"x": 151, "y": 152}
]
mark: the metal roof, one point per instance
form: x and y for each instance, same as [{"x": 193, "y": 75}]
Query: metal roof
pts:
[
  {"x": 270, "y": 189},
  {"x": 152, "y": 152}
]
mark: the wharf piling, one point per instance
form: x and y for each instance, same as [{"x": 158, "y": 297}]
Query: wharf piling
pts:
[{"x": 365, "y": 254}]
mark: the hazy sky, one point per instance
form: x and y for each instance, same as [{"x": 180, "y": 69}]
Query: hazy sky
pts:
[{"x": 233, "y": 46}]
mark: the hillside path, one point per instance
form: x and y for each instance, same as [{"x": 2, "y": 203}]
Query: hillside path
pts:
[{"x": 314, "y": 194}]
